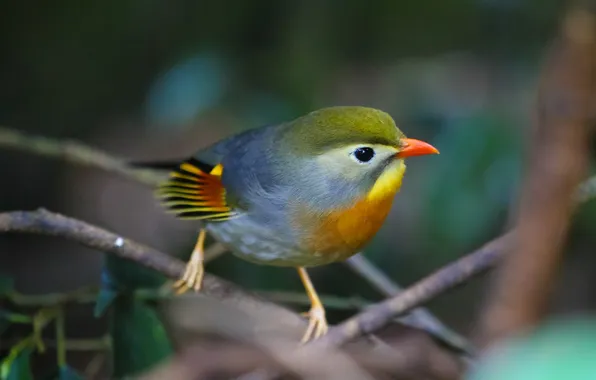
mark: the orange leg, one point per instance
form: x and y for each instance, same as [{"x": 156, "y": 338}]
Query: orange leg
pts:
[
  {"x": 317, "y": 323},
  {"x": 193, "y": 275}
]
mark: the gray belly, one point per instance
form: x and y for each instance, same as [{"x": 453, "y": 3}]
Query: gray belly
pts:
[{"x": 254, "y": 242}]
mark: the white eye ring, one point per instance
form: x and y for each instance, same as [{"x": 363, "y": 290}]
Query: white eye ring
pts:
[{"x": 363, "y": 154}]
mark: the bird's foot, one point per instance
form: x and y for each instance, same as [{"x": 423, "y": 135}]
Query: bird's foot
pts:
[
  {"x": 317, "y": 324},
  {"x": 193, "y": 276}
]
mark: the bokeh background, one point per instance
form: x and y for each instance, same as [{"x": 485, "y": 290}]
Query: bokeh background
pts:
[{"x": 150, "y": 80}]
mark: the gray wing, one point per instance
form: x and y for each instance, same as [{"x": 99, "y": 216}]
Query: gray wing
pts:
[{"x": 248, "y": 167}]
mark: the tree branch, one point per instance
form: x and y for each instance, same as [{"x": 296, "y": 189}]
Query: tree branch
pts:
[
  {"x": 47, "y": 223},
  {"x": 558, "y": 159},
  {"x": 418, "y": 317},
  {"x": 424, "y": 290},
  {"x": 89, "y": 295},
  {"x": 77, "y": 153}
]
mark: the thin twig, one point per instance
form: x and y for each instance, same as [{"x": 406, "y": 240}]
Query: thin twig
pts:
[
  {"x": 419, "y": 317},
  {"x": 77, "y": 153},
  {"x": 60, "y": 339},
  {"x": 89, "y": 295},
  {"x": 424, "y": 290},
  {"x": 83, "y": 295},
  {"x": 95, "y": 344}
]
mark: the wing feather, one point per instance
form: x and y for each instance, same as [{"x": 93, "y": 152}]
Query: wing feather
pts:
[{"x": 195, "y": 191}]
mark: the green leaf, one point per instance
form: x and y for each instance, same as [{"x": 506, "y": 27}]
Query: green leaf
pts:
[
  {"x": 105, "y": 298},
  {"x": 18, "y": 367},
  {"x": 68, "y": 373},
  {"x": 120, "y": 276},
  {"x": 139, "y": 338},
  {"x": 14, "y": 317},
  {"x": 7, "y": 318},
  {"x": 107, "y": 294}
]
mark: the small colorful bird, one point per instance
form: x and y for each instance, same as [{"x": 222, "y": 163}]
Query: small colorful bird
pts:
[{"x": 303, "y": 193}]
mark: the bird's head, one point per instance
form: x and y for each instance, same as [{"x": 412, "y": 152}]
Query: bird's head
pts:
[{"x": 356, "y": 150}]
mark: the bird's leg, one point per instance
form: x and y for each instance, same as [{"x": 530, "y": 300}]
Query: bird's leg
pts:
[
  {"x": 317, "y": 323},
  {"x": 193, "y": 274}
]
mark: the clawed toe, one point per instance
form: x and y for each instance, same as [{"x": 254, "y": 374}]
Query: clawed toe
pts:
[{"x": 317, "y": 324}]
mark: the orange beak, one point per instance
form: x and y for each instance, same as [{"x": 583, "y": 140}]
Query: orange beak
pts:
[{"x": 412, "y": 147}]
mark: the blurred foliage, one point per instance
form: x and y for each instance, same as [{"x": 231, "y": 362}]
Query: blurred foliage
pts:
[
  {"x": 466, "y": 201},
  {"x": 17, "y": 366},
  {"x": 139, "y": 338},
  {"x": 562, "y": 348}
]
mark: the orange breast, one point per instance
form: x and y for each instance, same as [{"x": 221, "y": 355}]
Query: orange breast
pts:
[{"x": 344, "y": 232}]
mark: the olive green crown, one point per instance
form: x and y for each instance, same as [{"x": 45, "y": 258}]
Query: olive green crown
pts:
[{"x": 331, "y": 127}]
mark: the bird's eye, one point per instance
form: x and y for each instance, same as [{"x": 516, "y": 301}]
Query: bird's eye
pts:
[{"x": 363, "y": 154}]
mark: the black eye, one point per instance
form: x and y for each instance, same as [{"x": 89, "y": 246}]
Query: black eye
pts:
[{"x": 364, "y": 154}]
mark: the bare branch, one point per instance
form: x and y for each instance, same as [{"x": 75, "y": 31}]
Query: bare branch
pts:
[
  {"x": 418, "y": 317},
  {"x": 230, "y": 360},
  {"x": 77, "y": 153},
  {"x": 424, "y": 290},
  {"x": 558, "y": 160},
  {"x": 47, "y": 223}
]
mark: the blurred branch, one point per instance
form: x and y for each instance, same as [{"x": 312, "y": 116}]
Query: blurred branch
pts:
[
  {"x": 331, "y": 302},
  {"x": 558, "y": 159},
  {"x": 89, "y": 295},
  {"x": 231, "y": 360},
  {"x": 96, "y": 344},
  {"x": 420, "y": 360},
  {"x": 74, "y": 152},
  {"x": 60, "y": 339},
  {"x": 419, "y": 317},
  {"x": 424, "y": 290},
  {"x": 82, "y": 295},
  {"x": 53, "y": 224}
]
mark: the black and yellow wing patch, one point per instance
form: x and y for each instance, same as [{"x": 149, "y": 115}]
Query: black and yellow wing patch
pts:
[{"x": 194, "y": 191}]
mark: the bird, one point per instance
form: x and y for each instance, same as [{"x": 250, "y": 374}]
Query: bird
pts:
[{"x": 301, "y": 193}]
